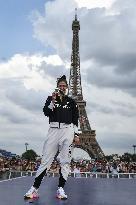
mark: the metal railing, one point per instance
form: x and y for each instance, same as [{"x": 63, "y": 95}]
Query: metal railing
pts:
[{"x": 16, "y": 174}]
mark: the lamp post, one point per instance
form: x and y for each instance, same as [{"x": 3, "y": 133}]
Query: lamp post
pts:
[
  {"x": 26, "y": 144},
  {"x": 134, "y": 146}
]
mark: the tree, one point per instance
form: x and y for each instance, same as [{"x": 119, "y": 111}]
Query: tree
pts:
[
  {"x": 126, "y": 157},
  {"x": 29, "y": 154},
  {"x": 109, "y": 157},
  {"x": 134, "y": 157}
]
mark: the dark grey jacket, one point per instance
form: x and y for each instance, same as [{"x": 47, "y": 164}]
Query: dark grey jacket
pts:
[{"x": 62, "y": 112}]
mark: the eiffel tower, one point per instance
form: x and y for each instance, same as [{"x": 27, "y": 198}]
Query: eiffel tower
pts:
[{"x": 87, "y": 136}]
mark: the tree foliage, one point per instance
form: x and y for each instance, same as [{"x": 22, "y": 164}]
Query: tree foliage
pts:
[{"x": 29, "y": 154}]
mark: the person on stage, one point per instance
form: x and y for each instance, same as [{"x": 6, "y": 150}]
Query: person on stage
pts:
[{"x": 63, "y": 130}]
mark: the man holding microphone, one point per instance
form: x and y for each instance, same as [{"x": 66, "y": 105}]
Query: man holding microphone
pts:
[{"x": 63, "y": 119}]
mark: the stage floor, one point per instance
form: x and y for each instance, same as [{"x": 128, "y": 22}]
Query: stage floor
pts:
[{"x": 80, "y": 191}]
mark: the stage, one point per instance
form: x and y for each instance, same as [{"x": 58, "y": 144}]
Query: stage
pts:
[{"x": 80, "y": 191}]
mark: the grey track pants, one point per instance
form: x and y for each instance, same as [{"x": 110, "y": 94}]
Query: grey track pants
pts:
[{"x": 57, "y": 138}]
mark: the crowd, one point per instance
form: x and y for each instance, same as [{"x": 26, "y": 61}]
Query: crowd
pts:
[{"x": 115, "y": 166}]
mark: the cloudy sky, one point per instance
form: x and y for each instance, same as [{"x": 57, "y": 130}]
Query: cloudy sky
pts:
[{"x": 35, "y": 49}]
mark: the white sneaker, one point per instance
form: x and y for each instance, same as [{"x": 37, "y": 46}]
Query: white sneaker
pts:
[
  {"x": 61, "y": 194},
  {"x": 32, "y": 193}
]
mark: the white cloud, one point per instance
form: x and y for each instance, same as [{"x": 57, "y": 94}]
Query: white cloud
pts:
[
  {"x": 54, "y": 60},
  {"x": 54, "y": 27},
  {"x": 95, "y": 3},
  {"x": 28, "y": 69}
]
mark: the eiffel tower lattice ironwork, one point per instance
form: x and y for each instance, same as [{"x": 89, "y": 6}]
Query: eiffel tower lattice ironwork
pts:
[{"x": 87, "y": 136}]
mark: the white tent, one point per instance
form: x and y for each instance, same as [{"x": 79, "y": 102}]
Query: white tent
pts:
[{"x": 80, "y": 154}]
